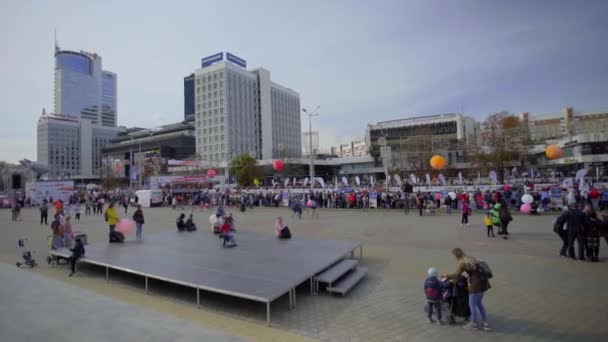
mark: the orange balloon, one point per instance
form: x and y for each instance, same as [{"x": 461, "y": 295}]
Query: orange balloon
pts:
[
  {"x": 438, "y": 162},
  {"x": 553, "y": 152}
]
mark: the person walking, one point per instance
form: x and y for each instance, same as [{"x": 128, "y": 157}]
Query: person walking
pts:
[
  {"x": 44, "y": 213},
  {"x": 576, "y": 221},
  {"x": 478, "y": 285},
  {"x": 466, "y": 211},
  {"x": 138, "y": 217}
]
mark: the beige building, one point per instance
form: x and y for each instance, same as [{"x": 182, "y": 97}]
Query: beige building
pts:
[
  {"x": 568, "y": 123},
  {"x": 352, "y": 149}
]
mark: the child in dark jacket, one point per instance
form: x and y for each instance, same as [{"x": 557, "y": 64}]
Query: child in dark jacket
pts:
[
  {"x": 77, "y": 253},
  {"x": 432, "y": 290}
]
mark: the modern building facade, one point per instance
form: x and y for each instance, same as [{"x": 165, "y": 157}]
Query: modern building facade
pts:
[
  {"x": 70, "y": 147},
  {"x": 568, "y": 123},
  {"x": 240, "y": 111},
  {"x": 353, "y": 149},
  {"x": 140, "y": 153},
  {"x": 83, "y": 89},
  {"x": 411, "y": 140}
]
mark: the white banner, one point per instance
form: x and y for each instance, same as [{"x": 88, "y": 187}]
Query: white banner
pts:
[{"x": 57, "y": 190}]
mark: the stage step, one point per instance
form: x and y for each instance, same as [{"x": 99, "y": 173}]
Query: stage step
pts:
[
  {"x": 336, "y": 271},
  {"x": 349, "y": 281}
]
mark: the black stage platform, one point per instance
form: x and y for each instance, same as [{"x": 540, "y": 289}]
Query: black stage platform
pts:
[{"x": 262, "y": 268}]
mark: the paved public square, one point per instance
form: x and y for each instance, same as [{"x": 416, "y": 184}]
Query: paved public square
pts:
[{"x": 535, "y": 295}]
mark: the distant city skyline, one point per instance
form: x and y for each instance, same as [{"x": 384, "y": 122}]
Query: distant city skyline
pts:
[{"x": 361, "y": 62}]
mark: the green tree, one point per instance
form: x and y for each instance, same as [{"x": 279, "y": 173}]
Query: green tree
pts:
[{"x": 244, "y": 168}]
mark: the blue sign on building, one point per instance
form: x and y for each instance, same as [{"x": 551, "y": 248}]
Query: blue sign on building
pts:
[
  {"x": 236, "y": 60},
  {"x": 207, "y": 61}
]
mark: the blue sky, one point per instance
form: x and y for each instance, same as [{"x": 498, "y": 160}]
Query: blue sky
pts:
[{"x": 361, "y": 61}]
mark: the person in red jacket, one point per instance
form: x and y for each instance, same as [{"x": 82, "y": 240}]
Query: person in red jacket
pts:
[{"x": 226, "y": 233}]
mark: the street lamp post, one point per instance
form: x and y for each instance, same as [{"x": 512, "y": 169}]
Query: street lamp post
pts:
[{"x": 312, "y": 156}]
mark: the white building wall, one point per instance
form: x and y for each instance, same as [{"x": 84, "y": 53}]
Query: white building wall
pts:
[
  {"x": 86, "y": 147},
  {"x": 252, "y": 114}
]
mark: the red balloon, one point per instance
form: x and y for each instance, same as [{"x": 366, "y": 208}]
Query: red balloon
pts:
[
  {"x": 278, "y": 165},
  {"x": 211, "y": 173}
]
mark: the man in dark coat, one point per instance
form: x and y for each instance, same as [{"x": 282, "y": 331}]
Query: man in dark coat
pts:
[{"x": 577, "y": 221}]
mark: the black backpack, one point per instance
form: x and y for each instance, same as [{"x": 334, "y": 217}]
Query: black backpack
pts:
[{"x": 484, "y": 271}]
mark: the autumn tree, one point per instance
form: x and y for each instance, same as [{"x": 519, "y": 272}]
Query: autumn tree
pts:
[{"x": 504, "y": 139}]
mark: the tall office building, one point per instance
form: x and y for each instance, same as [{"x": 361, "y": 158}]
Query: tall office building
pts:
[
  {"x": 71, "y": 139},
  {"x": 240, "y": 111},
  {"x": 83, "y": 89}
]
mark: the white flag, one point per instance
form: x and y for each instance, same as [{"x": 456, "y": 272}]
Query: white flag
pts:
[
  {"x": 294, "y": 181},
  {"x": 357, "y": 180},
  {"x": 442, "y": 179},
  {"x": 460, "y": 177},
  {"x": 413, "y": 178},
  {"x": 568, "y": 183},
  {"x": 321, "y": 181},
  {"x": 428, "y": 179},
  {"x": 371, "y": 180},
  {"x": 532, "y": 173},
  {"x": 305, "y": 182},
  {"x": 580, "y": 174},
  {"x": 493, "y": 177},
  {"x": 344, "y": 181},
  {"x": 478, "y": 177},
  {"x": 286, "y": 183},
  {"x": 398, "y": 180},
  {"x": 274, "y": 183}
]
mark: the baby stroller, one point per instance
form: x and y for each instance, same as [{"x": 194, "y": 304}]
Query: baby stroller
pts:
[
  {"x": 430, "y": 208},
  {"x": 455, "y": 298},
  {"x": 28, "y": 260}
]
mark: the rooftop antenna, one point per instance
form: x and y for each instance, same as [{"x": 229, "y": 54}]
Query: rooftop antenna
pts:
[{"x": 56, "y": 44}]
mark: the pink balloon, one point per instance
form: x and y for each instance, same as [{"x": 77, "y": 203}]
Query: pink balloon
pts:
[
  {"x": 310, "y": 203},
  {"x": 525, "y": 208},
  {"x": 211, "y": 173},
  {"x": 125, "y": 226}
]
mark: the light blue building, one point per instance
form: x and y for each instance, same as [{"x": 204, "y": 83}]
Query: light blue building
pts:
[{"x": 83, "y": 89}]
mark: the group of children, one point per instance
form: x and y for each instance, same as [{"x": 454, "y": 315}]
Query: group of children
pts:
[{"x": 63, "y": 237}]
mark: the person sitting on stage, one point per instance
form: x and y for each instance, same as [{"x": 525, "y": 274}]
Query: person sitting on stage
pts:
[
  {"x": 190, "y": 226},
  {"x": 281, "y": 230},
  {"x": 226, "y": 233},
  {"x": 77, "y": 253},
  {"x": 181, "y": 226}
]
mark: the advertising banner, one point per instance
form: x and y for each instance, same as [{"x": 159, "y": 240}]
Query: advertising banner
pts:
[
  {"x": 373, "y": 199},
  {"x": 57, "y": 190},
  {"x": 285, "y": 198}
]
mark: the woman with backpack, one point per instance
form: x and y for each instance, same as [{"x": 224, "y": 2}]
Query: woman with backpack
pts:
[
  {"x": 478, "y": 279},
  {"x": 138, "y": 217}
]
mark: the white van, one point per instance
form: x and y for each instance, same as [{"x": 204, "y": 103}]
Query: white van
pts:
[{"x": 149, "y": 198}]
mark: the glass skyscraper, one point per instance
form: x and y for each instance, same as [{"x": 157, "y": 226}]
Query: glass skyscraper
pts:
[{"x": 83, "y": 89}]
